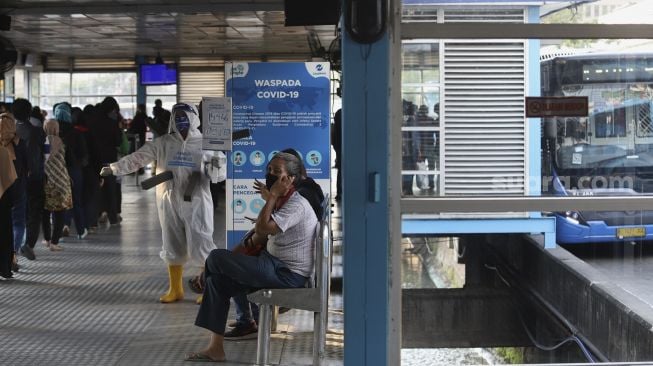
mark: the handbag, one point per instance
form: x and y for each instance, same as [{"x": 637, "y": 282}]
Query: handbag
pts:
[
  {"x": 124, "y": 147},
  {"x": 247, "y": 247}
]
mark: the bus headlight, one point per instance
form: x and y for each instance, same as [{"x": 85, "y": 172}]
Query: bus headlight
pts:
[
  {"x": 572, "y": 215},
  {"x": 576, "y": 217}
]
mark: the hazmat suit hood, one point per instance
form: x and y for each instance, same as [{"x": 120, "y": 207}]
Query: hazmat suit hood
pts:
[{"x": 193, "y": 117}]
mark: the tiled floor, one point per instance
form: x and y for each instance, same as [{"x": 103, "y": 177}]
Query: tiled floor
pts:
[{"x": 96, "y": 303}]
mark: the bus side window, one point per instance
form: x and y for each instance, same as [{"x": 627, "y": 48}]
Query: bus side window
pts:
[
  {"x": 601, "y": 125},
  {"x": 574, "y": 128},
  {"x": 607, "y": 124}
]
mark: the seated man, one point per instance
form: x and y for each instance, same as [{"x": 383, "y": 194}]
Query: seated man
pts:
[
  {"x": 288, "y": 221},
  {"x": 245, "y": 325}
]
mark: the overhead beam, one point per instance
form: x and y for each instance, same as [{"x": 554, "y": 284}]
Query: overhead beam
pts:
[
  {"x": 521, "y": 31},
  {"x": 182, "y": 8}
]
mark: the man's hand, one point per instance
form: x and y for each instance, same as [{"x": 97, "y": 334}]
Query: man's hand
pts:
[
  {"x": 106, "y": 171},
  {"x": 261, "y": 189},
  {"x": 281, "y": 186}
]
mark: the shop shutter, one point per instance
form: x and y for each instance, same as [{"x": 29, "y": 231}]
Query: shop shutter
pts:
[
  {"x": 483, "y": 117},
  {"x": 104, "y": 64},
  {"x": 193, "y": 85},
  {"x": 484, "y": 85}
]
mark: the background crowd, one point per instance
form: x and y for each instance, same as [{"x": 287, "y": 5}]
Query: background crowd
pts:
[{"x": 49, "y": 171}]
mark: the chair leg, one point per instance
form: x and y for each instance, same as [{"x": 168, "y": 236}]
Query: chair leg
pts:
[
  {"x": 319, "y": 337},
  {"x": 263, "y": 343},
  {"x": 275, "y": 319}
]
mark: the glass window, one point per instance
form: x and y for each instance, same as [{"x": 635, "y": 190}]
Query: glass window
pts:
[
  {"x": 9, "y": 87},
  {"x": 35, "y": 85},
  {"x": 167, "y": 94},
  {"x": 85, "y": 88},
  {"x": 55, "y": 84},
  {"x": 421, "y": 118},
  {"x": 103, "y": 84}
]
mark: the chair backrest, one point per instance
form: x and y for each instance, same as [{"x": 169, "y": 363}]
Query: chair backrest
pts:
[{"x": 323, "y": 248}]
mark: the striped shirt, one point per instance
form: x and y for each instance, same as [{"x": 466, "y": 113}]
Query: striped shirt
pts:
[{"x": 294, "y": 244}]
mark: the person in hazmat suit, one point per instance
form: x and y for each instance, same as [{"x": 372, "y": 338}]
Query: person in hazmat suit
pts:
[{"x": 187, "y": 227}]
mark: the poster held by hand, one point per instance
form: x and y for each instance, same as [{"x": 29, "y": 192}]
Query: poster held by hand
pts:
[{"x": 216, "y": 124}]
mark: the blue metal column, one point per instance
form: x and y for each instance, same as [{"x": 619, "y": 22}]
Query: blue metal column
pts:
[
  {"x": 534, "y": 127},
  {"x": 366, "y": 150},
  {"x": 140, "y": 89}
]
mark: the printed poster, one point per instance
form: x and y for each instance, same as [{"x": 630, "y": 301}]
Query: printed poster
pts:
[{"x": 285, "y": 105}]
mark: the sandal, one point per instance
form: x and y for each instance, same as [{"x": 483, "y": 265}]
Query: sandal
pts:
[
  {"x": 198, "y": 357},
  {"x": 195, "y": 284}
]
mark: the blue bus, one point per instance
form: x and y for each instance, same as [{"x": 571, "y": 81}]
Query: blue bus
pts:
[{"x": 610, "y": 152}]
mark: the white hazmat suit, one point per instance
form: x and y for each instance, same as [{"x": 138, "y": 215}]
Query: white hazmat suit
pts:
[{"x": 187, "y": 227}]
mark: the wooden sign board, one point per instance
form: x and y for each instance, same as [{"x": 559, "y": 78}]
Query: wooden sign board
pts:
[{"x": 556, "y": 107}]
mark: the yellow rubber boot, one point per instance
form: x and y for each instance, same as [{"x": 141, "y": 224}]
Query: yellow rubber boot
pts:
[{"x": 176, "y": 289}]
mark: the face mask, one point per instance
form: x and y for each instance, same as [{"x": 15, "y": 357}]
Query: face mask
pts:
[
  {"x": 182, "y": 123},
  {"x": 269, "y": 180},
  {"x": 113, "y": 115}
]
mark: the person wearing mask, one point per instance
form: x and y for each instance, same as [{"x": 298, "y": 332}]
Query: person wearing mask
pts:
[
  {"x": 247, "y": 312},
  {"x": 58, "y": 189},
  {"x": 29, "y": 130},
  {"x": 306, "y": 186},
  {"x": 76, "y": 159},
  {"x": 105, "y": 140},
  {"x": 7, "y": 179},
  {"x": 287, "y": 262},
  {"x": 187, "y": 227}
]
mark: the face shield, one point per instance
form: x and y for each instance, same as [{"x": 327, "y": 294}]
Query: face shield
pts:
[{"x": 181, "y": 113}]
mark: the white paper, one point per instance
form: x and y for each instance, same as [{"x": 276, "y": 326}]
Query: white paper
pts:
[{"x": 216, "y": 124}]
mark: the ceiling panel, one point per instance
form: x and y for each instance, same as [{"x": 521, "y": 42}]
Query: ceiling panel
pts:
[{"x": 125, "y": 28}]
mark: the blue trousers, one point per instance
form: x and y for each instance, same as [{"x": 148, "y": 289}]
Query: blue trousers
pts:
[
  {"x": 19, "y": 213},
  {"x": 228, "y": 274},
  {"x": 246, "y": 311}
]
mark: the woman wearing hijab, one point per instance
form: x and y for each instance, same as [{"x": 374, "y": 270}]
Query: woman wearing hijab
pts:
[
  {"x": 76, "y": 159},
  {"x": 7, "y": 179},
  {"x": 10, "y": 138},
  {"x": 58, "y": 191}
]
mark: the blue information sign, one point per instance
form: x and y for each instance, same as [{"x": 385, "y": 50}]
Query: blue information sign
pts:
[{"x": 285, "y": 105}]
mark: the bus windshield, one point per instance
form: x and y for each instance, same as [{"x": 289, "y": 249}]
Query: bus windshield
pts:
[
  {"x": 607, "y": 153},
  {"x": 618, "y": 132}
]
